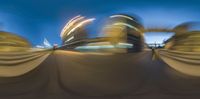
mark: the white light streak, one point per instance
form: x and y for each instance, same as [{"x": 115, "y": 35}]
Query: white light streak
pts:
[
  {"x": 81, "y": 24},
  {"x": 121, "y": 16},
  {"x": 69, "y": 39},
  {"x": 70, "y": 24}
]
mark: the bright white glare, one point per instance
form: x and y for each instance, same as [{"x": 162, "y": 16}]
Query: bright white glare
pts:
[
  {"x": 67, "y": 24},
  {"x": 70, "y": 24},
  {"x": 72, "y": 20},
  {"x": 95, "y": 47},
  {"x": 81, "y": 24},
  {"x": 121, "y": 16},
  {"x": 69, "y": 39},
  {"x": 126, "y": 44}
]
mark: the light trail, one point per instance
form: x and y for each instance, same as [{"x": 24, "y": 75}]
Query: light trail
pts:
[
  {"x": 121, "y": 16},
  {"x": 81, "y": 24},
  {"x": 70, "y": 25},
  {"x": 71, "y": 38}
]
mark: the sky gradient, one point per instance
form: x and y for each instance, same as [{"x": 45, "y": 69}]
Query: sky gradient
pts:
[{"x": 39, "y": 19}]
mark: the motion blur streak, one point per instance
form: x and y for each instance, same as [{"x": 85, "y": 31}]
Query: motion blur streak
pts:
[
  {"x": 184, "y": 62},
  {"x": 14, "y": 64},
  {"x": 17, "y": 57},
  {"x": 85, "y": 22},
  {"x": 121, "y": 16},
  {"x": 70, "y": 24},
  {"x": 73, "y": 24},
  {"x": 182, "y": 51},
  {"x": 116, "y": 64}
]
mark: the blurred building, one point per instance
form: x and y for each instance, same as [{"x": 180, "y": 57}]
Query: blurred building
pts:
[
  {"x": 120, "y": 32},
  {"x": 74, "y": 31},
  {"x": 184, "y": 39},
  {"x": 125, "y": 29},
  {"x": 12, "y": 42},
  {"x": 77, "y": 35}
]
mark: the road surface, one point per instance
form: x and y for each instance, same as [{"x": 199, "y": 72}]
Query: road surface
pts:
[{"x": 77, "y": 75}]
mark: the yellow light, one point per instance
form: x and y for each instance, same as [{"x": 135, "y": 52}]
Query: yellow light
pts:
[{"x": 121, "y": 23}]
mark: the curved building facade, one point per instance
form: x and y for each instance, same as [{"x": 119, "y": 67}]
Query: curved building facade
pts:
[
  {"x": 125, "y": 29},
  {"x": 74, "y": 30},
  {"x": 185, "y": 39},
  {"x": 12, "y": 42}
]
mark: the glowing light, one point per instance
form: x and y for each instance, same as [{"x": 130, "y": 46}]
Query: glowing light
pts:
[
  {"x": 95, "y": 47},
  {"x": 121, "y": 16},
  {"x": 69, "y": 39},
  {"x": 70, "y": 24},
  {"x": 74, "y": 24},
  {"x": 73, "y": 19},
  {"x": 81, "y": 24},
  {"x": 126, "y": 44}
]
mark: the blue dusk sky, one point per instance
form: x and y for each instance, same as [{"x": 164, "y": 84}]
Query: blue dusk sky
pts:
[{"x": 39, "y": 19}]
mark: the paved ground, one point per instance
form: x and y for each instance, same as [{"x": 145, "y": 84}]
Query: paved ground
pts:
[{"x": 74, "y": 75}]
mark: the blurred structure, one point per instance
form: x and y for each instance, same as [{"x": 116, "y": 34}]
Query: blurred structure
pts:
[
  {"x": 17, "y": 57},
  {"x": 183, "y": 49},
  {"x": 121, "y": 33},
  {"x": 125, "y": 30},
  {"x": 185, "y": 39},
  {"x": 12, "y": 42},
  {"x": 74, "y": 31}
]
